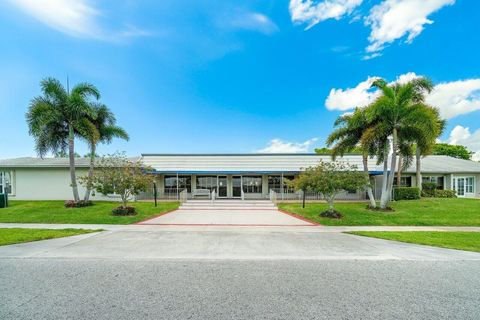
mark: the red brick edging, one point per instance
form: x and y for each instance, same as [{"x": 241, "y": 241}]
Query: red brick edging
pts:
[
  {"x": 299, "y": 217},
  {"x": 156, "y": 216}
]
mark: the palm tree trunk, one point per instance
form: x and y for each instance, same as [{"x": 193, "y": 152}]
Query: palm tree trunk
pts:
[
  {"x": 90, "y": 172},
  {"x": 384, "y": 196},
  {"x": 392, "y": 166},
  {"x": 71, "y": 156},
  {"x": 418, "y": 156},
  {"x": 367, "y": 178},
  {"x": 399, "y": 172}
]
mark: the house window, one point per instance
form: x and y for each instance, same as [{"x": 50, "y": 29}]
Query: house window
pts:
[
  {"x": 184, "y": 182},
  {"x": 6, "y": 182},
  {"x": 252, "y": 184},
  {"x": 207, "y": 182},
  {"x": 438, "y": 180},
  {"x": 469, "y": 185},
  {"x": 404, "y": 181},
  {"x": 275, "y": 183}
]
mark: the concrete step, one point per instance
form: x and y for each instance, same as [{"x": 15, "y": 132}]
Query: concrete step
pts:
[
  {"x": 228, "y": 201},
  {"x": 209, "y": 203},
  {"x": 228, "y": 208},
  {"x": 229, "y": 205}
]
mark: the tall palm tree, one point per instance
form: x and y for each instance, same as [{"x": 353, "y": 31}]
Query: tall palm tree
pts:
[
  {"x": 347, "y": 136},
  {"x": 105, "y": 130},
  {"x": 425, "y": 146},
  {"x": 400, "y": 113},
  {"x": 57, "y": 115}
]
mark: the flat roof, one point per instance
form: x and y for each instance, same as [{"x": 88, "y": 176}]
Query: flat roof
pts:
[{"x": 251, "y": 162}]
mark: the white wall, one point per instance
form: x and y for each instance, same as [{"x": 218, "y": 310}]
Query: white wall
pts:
[{"x": 47, "y": 184}]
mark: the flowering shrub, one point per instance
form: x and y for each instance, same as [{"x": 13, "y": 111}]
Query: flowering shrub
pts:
[
  {"x": 123, "y": 211},
  {"x": 77, "y": 204}
]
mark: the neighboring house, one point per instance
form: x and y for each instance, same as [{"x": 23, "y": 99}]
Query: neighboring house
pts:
[
  {"x": 43, "y": 179},
  {"x": 229, "y": 175}
]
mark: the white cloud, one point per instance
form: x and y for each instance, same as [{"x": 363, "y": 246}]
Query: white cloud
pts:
[
  {"x": 74, "y": 17},
  {"x": 253, "y": 21},
  {"x": 394, "y": 19},
  {"x": 77, "y": 18},
  {"x": 359, "y": 96},
  {"x": 280, "y": 146},
  {"x": 462, "y": 136},
  {"x": 451, "y": 98},
  {"x": 456, "y": 98},
  {"x": 310, "y": 13}
]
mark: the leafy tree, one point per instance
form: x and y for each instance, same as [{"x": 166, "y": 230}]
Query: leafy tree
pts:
[
  {"x": 329, "y": 179},
  {"x": 456, "y": 151},
  {"x": 116, "y": 174},
  {"x": 400, "y": 113},
  {"x": 347, "y": 136},
  {"x": 64, "y": 154},
  {"x": 323, "y": 150},
  {"x": 105, "y": 131},
  {"x": 57, "y": 116}
]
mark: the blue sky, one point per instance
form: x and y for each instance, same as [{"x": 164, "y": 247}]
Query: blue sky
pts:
[{"x": 230, "y": 76}]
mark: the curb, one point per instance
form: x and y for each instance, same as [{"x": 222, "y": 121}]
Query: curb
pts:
[
  {"x": 299, "y": 217},
  {"x": 155, "y": 216}
]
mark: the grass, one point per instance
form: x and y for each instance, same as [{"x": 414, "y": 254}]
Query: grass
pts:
[
  {"x": 99, "y": 213},
  {"x": 424, "y": 212},
  {"x": 20, "y": 235},
  {"x": 468, "y": 241}
]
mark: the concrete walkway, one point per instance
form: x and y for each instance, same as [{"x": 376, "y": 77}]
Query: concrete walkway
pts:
[{"x": 227, "y": 217}]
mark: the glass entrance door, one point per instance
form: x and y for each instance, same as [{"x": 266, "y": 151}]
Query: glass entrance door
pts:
[
  {"x": 464, "y": 186},
  {"x": 237, "y": 186},
  {"x": 222, "y": 186},
  {"x": 459, "y": 186}
]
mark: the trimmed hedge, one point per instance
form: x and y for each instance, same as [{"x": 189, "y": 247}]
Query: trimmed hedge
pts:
[
  {"x": 124, "y": 211},
  {"x": 406, "y": 193},
  {"x": 78, "y": 204},
  {"x": 439, "y": 194},
  {"x": 429, "y": 186}
]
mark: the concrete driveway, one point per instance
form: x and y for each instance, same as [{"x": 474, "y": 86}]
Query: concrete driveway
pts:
[{"x": 152, "y": 242}]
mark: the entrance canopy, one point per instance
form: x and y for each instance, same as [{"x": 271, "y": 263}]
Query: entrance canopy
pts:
[{"x": 239, "y": 164}]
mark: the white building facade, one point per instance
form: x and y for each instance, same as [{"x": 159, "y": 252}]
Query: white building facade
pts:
[{"x": 229, "y": 176}]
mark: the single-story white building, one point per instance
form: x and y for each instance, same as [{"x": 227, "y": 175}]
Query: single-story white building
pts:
[{"x": 230, "y": 175}]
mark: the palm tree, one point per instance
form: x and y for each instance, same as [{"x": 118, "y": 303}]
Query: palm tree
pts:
[
  {"x": 55, "y": 117},
  {"x": 105, "y": 130},
  {"x": 346, "y": 137},
  {"x": 425, "y": 146},
  {"x": 400, "y": 113}
]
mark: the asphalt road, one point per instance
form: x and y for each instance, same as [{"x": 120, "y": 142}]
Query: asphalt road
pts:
[{"x": 37, "y": 288}]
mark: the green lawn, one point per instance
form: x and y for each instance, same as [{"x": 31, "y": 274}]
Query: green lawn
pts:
[
  {"x": 99, "y": 213},
  {"x": 469, "y": 241},
  {"x": 424, "y": 212},
  {"x": 19, "y": 235}
]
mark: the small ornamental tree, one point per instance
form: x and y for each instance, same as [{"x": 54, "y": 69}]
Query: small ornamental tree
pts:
[
  {"x": 329, "y": 179},
  {"x": 116, "y": 174}
]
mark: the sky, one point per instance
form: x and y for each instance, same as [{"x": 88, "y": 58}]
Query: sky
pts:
[{"x": 237, "y": 76}]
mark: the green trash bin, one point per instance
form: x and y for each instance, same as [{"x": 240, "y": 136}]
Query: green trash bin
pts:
[{"x": 3, "y": 200}]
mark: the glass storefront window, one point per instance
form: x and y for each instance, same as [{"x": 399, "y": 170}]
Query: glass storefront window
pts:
[
  {"x": 184, "y": 182},
  {"x": 275, "y": 183},
  {"x": 207, "y": 182},
  {"x": 252, "y": 184}
]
